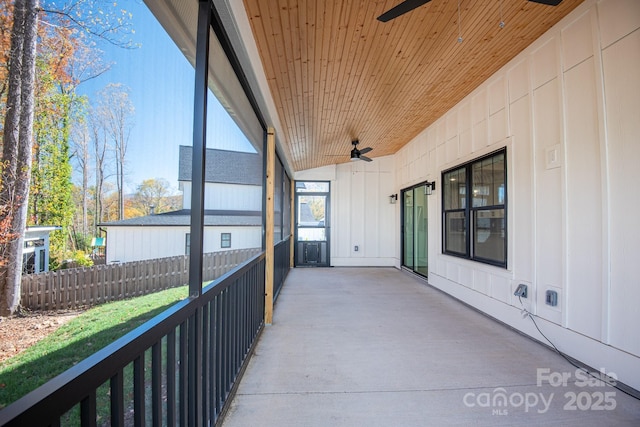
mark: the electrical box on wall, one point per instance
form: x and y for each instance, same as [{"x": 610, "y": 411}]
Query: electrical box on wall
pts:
[
  {"x": 521, "y": 291},
  {"x": 551, "y": 298}
]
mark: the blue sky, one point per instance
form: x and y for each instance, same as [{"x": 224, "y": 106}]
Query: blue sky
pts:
[{"x": 161, "y": 82}]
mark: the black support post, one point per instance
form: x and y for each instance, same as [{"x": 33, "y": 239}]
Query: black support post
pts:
[
  {"x": 195, "y": 381},
  {"x": 199, "y": 149}
]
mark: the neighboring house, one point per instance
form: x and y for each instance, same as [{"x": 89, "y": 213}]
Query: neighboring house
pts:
[
  {"x": 233, "y": 212},
  {"x": 233, "y": 180},
  {"x": 35, "y": 255}
]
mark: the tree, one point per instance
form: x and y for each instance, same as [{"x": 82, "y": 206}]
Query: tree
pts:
[
  {"x": 153, "y": 196},
  {"x": 18, "y": 97},
  {"x": 82, "y": 153},
  {"x": 116, "y": 114},
  {"x": 16, "y": 148}
]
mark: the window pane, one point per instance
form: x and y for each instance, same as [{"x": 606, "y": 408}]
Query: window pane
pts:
[
  {"x": 455, "y": 189},
  {"x": 455, "y": 232},
  {"x": 312, "y": 187},
  {"x": 490, "y": 236},
  {"x": 277, "y": 202},
  {"x": 488, "y": 181},
  {"x": 286, "y": 213},
  {"x": 225, "y": 240}
]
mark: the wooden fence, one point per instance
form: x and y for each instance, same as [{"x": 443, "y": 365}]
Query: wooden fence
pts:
[{"x": 87, "y": 286}]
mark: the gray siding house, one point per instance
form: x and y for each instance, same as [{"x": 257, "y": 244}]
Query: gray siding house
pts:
[{"x": 233, "y": 212}]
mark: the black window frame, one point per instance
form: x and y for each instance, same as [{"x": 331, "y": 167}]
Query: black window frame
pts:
[{"x": 464, "y": 206}]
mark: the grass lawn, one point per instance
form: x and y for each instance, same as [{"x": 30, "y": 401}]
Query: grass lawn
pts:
[{"x": 78, "y": 339}]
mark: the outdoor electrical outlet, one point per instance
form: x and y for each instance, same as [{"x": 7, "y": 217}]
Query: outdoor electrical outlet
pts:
[
  {"x": 551, "y": 298},
  {"x": 521, "y": 291},
  {"x": 355, "y": 248}
]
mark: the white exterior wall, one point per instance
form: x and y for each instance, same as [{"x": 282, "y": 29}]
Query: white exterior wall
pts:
[
  {"x": 226, "y": 196},
  {"x": 568, "y": 111},
  {"x": 361, "y": 214},
  {"x": 126, "y": 244}
]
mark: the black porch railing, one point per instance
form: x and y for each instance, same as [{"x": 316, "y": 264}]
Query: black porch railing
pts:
[
  {"x": 177, "y": 369},
  {"x": 281, "y": 261}
]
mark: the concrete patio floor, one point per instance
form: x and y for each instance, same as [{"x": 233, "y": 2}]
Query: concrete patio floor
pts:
[{"x": 379, "y": 347}]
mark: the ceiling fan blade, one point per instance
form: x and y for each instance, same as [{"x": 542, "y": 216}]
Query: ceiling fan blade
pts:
[
  {"x": 402, "y": 8},
  {"x": 365, "y": 150},
  {"x": 547, "y": 2},
  {"x": 365, "y": 158}
]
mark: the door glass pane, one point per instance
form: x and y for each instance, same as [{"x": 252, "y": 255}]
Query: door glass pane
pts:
[
  {"x": 420, "y": 229},
  {"x": 312, "y": 234},
  {"x": 408, "y": 228},
  {"x": 311, "y": 211}
]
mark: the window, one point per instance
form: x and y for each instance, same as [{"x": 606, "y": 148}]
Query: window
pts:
[
  {"x": 474, "y": 210},
  {"x": 225, "y": 240},
  {"x": 187, "y": 243}
]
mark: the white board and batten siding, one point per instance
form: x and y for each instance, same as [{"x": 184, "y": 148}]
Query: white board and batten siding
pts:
[
  {"x": 226, "y": 196},
  {"x": 361, "y": 214},
  {"x": 126, "y": 243},
  {"x": 568, "y": 110}
]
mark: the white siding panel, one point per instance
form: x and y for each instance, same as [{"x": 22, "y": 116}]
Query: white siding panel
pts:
[
  {"x": 498, "y": 127},
  {"x": 479, "y": 107},
  {"x": 441, "y": 155},
  {"x": 480, "y": 137},
  {"x": 340, "y": 206},
  {"x": 584, "y": 207},
  {"x": 452, "y": 124},
  {"x": 520, "y": 192},
  {"x": 518, "y": 81},
  {"x": 481, "y": 281},
  {"x": 466, "y": 143},
  {"x": 126, "y": 244},
  {"x": 497, "y": 96},
  {"x": 358, "y": 195},
  {"x": 500, "y": 288},
  {"x": 372, "y": 205},
  {"x": 464, "y": 117},
  {"x": 577, "y": 41},
  {"x": 549, "y": 193},
  {"x": 226, "y": 196},
  {"x": 618, "y": 18},
  {"x": 452, "y": 150},
  {"x": 545, "y": 63},
  {"x": 388, "y": 216},
  {"x": 233, "y": 197},
  {"x": 621, "y": 71}
]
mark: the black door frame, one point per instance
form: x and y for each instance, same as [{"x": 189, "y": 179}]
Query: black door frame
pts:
[
  {"x": 326, "y": 226},
  {"x": 402, "y": 228}
]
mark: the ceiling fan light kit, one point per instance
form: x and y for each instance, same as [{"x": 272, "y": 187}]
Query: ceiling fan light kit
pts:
[{"x": 358, "y": 154}]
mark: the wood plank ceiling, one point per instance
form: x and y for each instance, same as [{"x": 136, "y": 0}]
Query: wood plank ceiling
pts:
[{"x": 337, "y": 74}]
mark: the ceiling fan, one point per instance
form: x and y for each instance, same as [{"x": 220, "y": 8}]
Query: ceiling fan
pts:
[
  {"x": 409, "y": 5},
  {"x": 358, "y": 154}
]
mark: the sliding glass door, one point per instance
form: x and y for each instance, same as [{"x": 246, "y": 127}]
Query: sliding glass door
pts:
[{"x": 414, "y": 229}]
